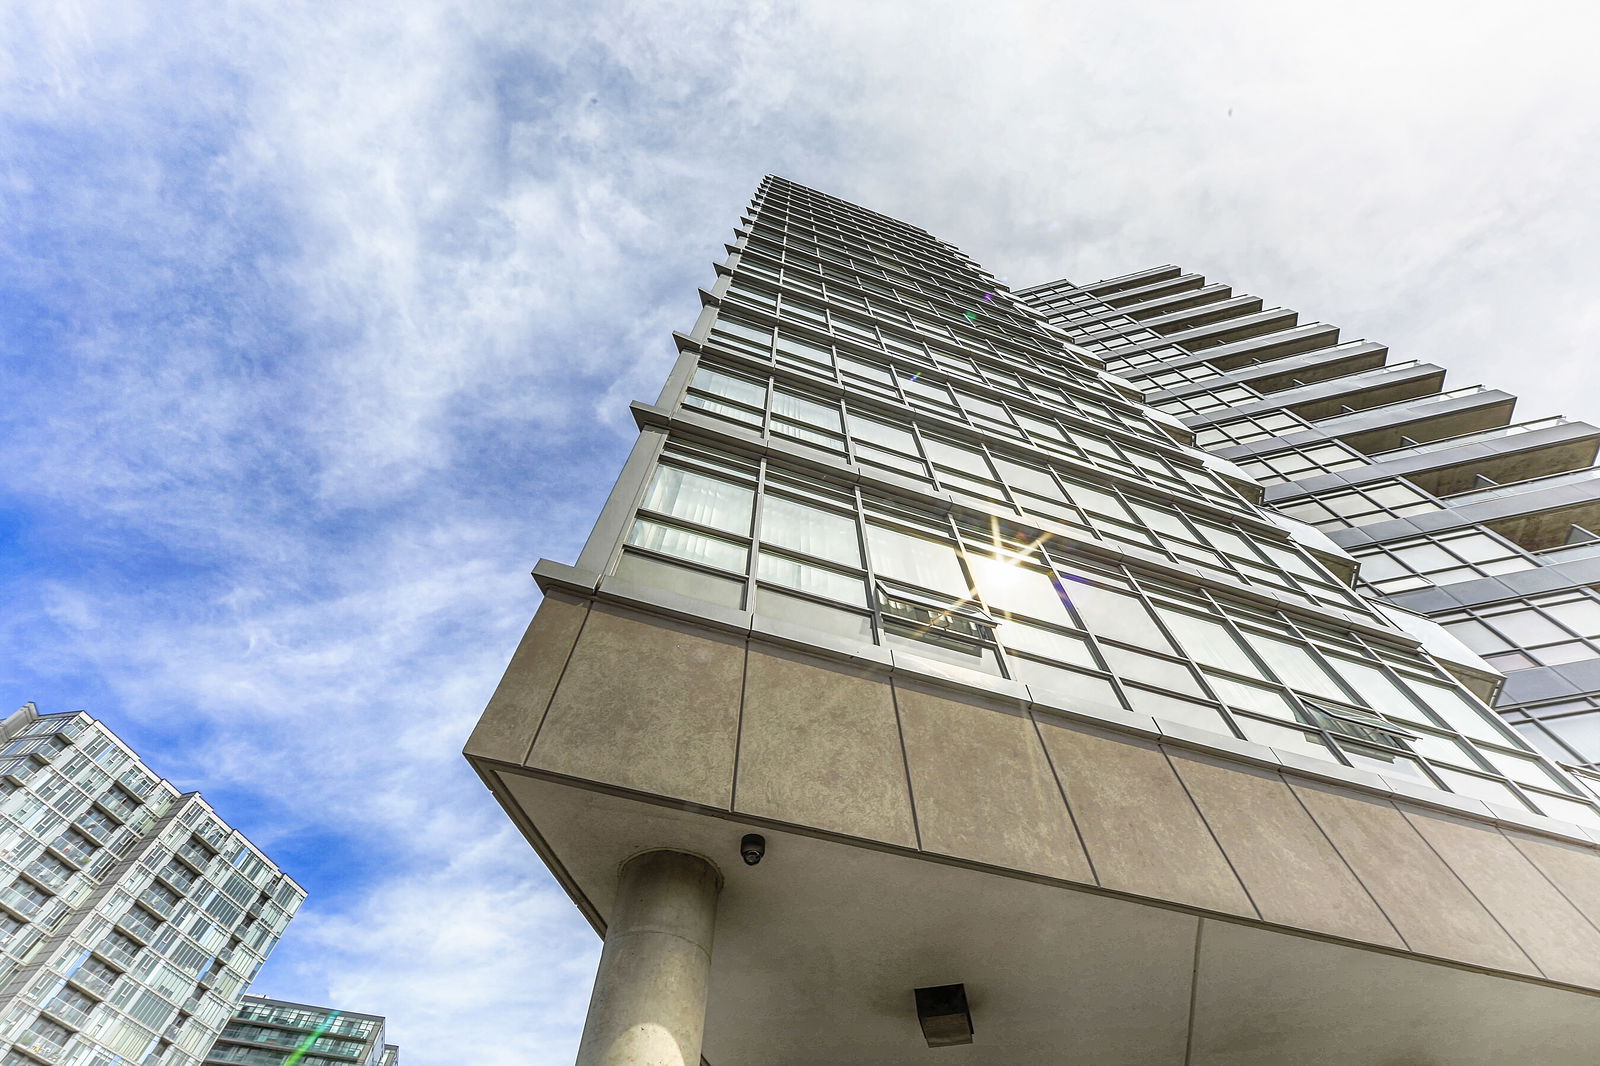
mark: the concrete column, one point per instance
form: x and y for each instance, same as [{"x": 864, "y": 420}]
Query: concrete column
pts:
[{"x": 649, "y": 1001}]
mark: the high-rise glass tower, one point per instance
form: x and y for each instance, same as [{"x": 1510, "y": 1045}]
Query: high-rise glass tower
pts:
[
  {"x": 132, "y": 917},
  {"x": 1452, "y": 506},
  {"x": 273, "y": 1032},
  {"x": 921, "y": 685}
]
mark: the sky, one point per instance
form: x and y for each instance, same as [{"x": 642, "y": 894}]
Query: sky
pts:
[{"x": 319, "y": 321}]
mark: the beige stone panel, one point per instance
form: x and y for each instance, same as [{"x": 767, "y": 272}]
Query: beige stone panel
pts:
[
  {"x": 508, "y": 724},
  {"x": 1424, "y": 899},
  {"x": 1294, "y": 876},
  {"x": 647, "y": 704},
  {"x": 819, "y": 747},
  {"x": 982, "y": 787},
  {"x": 1560, "y": 941},
  {"x": 1266, "y": 999},
  {"x": 1140, "y": 827},
  {"x": 1574, "y": 869}
]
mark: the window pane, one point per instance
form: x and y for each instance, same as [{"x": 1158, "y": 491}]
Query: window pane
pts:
[
  {"x": 879, "y": 433},
  {"x": 812, "y": 530},
  {"x": 1159, "y": 672},
  {"x": 804, "y": 410},
  {"x": 706, "y": 501},
  {"x": 813, "y": 579},
  {"x": 1079, "y": 687},
  {"x": 730, "y": 387},
  {"x": 1294, "y": 666},
  {"x": 655, "y": 573},
  {"x": 1009, "y": 587},
  {"x": 1046, "y": 642},
  {"x": 928, "y": 563},
  {"x": 1458, "y": 711},
  {"x": 1113, "y": 614},
  {"x": 696, "y": 547},
  {"x": 1208, "y": 642},
  {"x": 1251, "y": 697},
  {"x": 1173, "y": 709},
  {"x": 814, "y": 615}
]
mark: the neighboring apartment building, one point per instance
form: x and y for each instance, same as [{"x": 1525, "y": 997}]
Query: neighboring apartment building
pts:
[
  {"x": 132, "y": 917},
  {"x": 274, "y": 1032},
  {"x": 919, "y": 685},
  {"x": 1452, "y": 507}
]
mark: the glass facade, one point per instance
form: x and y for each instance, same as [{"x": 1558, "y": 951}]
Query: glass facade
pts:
[
  {"x": 132, "y": 917},
  {"x": 869, "y": 439},
  {"x": 270, "y": 1032},
  {"x": 1451, "y": 508}
]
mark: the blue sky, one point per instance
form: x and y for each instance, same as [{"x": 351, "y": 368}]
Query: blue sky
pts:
[{"x": 318, "y": 325}]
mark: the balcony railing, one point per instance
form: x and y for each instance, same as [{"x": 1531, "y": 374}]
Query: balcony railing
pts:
[
  {"x": 48, "y": 874},
  {"x": 1470, "y": 438},
  {"x": 119, "y": 954},
  {"x": 1415, "y": 401},
  {"x": 179, "y": 877},
  {"x": 140, "y": 925},
  {"x": 70, "y": 1013},
  {"x": 1513, "y": 488},
  {"x": 159, "y": 901},
  {"x": 93, "y": 983},
  {"x": 46, "y": 1047},
  {"x": 195, "y": 855},
  {"x": 24, "y": 905}
]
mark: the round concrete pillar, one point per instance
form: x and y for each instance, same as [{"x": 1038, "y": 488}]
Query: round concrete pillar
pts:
[{"x": 649, "y": 1001}]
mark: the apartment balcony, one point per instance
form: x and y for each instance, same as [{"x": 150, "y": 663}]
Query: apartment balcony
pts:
[
  {"x": 180, "y": 877},
  {"x": 48, "y": 874},
  {"x": 22, "y": 905},
  {"x": 76, "y": 854},
  {"x": 1237, "y": 329},
  {"x": 1143, "y": 307},
  {"x": 1130, "y": 299},
  {"x": 1272, "y": 346},
  {"x": 139, "y": 925},
  {"x": 158, "y": 901},
  {"x": 69, "y": 1014},
  {"x": 196, "y": 856},
  {"x": 1135, "y": 280},
  {"x": 1308, "y": 368},
  {"x": 93, "y": 983},
  {"x": 1421, "y": 419},
  {"x": 41, "y": 1046},
  {"x": 1192, "y": 318},
  {"x": 117, "y": 954}
]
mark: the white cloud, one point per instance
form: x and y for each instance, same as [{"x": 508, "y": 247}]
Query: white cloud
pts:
[{"x": 326, "y": 318}]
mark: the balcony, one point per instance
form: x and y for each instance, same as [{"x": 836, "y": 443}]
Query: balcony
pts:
[
  {"x": 49, "y": 874},
  {"x": 158, "y": 900},
  {"x": 93, "y": 983},
  {"x": 67, "y": 1013},
  {"x": 1496, "y": 492},
  {"x": 20, "y": 903},
  {"x": 45, "y": 1047},
  {"x": 118, "y": 954},
  {"x": 122, "y": 811},
  {"x": 75, "y": 853},
  {"x": 179, "y": 877},
  {"x": 139, "y": 925},
  {"x": 196, "y": 856}
]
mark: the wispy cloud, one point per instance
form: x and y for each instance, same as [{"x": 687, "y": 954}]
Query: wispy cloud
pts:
[{"x": 321, "y": 321}]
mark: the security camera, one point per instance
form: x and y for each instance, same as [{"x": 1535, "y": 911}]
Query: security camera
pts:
[{"x": 752, "y": 847}]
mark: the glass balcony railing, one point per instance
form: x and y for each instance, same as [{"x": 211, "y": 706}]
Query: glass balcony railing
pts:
[
  {"x": 1513, "y": 488},
  {"x": 70, "y": 1013},
  {"x": 1474, "y": 437},
  {"x": 93, "y": 983},
  {"x": 23, "y": 904},
  {"x": 139, "y": 924},
  {"x": 49, "y": 874},
  {"x": 195, "y": 855},
  {"x": 1415, "y": 401},
  {"x": 120, "y": 954},
  {"x": 42, "y": 1045}
]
